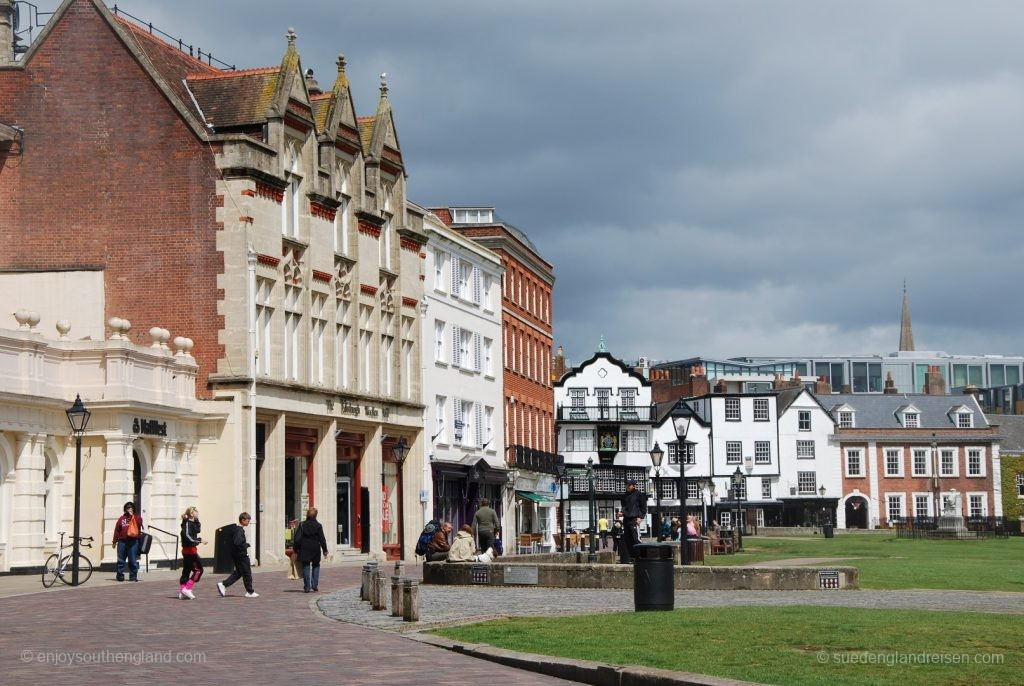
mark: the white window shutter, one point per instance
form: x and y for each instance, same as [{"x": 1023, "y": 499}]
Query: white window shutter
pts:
[
  {"x": 478, "y": 420},
  {"x": 477, "y": 288},
  {"x": 477, "y": 353},
  {"x": 455, "y": 275},
  {"x": 456, "y": 346}
]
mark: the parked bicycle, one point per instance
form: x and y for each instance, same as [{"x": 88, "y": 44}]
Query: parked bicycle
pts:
[{"x": 60, "y": 564}]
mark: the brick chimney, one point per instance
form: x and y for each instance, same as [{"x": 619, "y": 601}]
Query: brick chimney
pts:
[
  {"x": 7, "y": 32},
  {"x": 822, "y": 386},
  {"x": 699, "y": 384},
  {"x": 934, "y": 382},
  {"x": 890, "y": 385}
]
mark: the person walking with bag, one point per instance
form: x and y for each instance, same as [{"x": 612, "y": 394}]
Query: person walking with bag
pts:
[
  {"x": 126, "y": 542},
  {"x": 191, "y": 565},
  {"x": 309, "y": 541},
  {"x": 240, "y": 556}
]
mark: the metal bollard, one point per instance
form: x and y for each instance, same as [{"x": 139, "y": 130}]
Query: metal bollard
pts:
[
  {"x": 380, "y": 599},
  {"x": 410, "y": 600},
  {"x": 396, "y": 596}
]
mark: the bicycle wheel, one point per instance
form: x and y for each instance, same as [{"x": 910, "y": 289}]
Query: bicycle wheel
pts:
[
  {"x": 84, "y": 569},
  {"x": 50, "y": 570}
]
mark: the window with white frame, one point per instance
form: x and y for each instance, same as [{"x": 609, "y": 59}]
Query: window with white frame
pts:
[
  {"x": 911, "y": 420},
  {"x": 465, "y": 279},
  {"x": 947, "y": 462},
  {"x": 1020, "y": 485},
  {"x": 976, "y": 505},
  {"x": 264, "y": 315},
  {"x": 292, "y": 321},
  {"x": 762, "y": 452},
  {"x": 766, "y": 489},
  {"x": 439, "y": 339},
  {"x": 725, "y": 519},
  {"x": 920, "y": 462},
  {"x": 488, "y": 293},
  {"x": 894, "y": 507},
  {"x": 845, "y": 419},
  {"x": 579, "y": 440},
  {"x": 342, "y": 343},
  {"x": 365, "y": 353},
  {"x": 318, "y": 336},
  {"x": 627, "y": 398},
  {"x": 468, "y": 430},
  {"x": 440, "y": 265},
  {"x": 974, "y": 464},
  {"x": 740, "y": 489},
  {"x": 634, "y": 441},
  {"x": 732, "y": 409},
  {"x": 488, "y": 426},
  {"x": 440, "y": 419},
  {"x": 488, "y": 357},
  {"x": 893, "y": 462},
  {"x": 805, "y": 450},
  {"x": 804, "y": 420},
  {"x": 760, "y": 409},
  {"x": 384, "y": 242},
  {"x": 577, "y": 398},
  {"x": 733, "y": 452},
  {"x": 807, "y": 483},
  {"x": 922, "y": 506},
  {"x": 964, "y": 420},
  {"x": 473, "y": 216},
  {"x": 692, "y": 490},
  {"x": 387, "y": 353},
  {"x": 854, "y": 462},
  {"x": 686, "y": 450},
  {"x": 290, "y": 208}
]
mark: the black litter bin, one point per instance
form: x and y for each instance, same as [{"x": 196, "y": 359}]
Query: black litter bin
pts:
[
  {"x": 223, "y": 563},
  {"x": 829, "y": 531},
  {"x": 653, "y": 571}
]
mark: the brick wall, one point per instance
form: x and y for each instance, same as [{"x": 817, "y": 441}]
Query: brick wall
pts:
[{"x": 111, "y": 178}]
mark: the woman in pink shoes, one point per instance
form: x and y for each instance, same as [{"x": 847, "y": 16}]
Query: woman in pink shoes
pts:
[{"x": 192, "y": 566}]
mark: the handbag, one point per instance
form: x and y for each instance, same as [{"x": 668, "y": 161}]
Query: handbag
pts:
[{"x": 145, "y": 543}]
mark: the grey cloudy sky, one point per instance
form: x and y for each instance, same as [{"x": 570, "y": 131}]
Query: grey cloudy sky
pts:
[{"x": 708, "y": 178}]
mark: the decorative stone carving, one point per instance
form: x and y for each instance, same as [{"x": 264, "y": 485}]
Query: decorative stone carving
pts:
[
  {"x": 63, "y": 327},
  {"x": 120, "y": 327}
]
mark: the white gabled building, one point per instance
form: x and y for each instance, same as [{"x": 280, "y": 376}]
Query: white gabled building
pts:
[
  {"x": 464, "y": 451},
  {"x": 779, "y": 442},
  {"x": 603, "y": 413}
]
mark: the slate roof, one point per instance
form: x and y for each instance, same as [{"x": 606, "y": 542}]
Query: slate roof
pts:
[
  {"x": 879, "y": 411},
  {"x": 236, "y": 98},
  {"x": 1011, "y": 428}
]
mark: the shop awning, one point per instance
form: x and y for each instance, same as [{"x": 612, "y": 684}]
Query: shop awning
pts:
[{"x": 542, "y": 499}]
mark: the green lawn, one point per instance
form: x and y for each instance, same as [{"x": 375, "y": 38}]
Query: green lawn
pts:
[
  {"x": 886, "y": 562},
  {"x": 781, "y": 645}
]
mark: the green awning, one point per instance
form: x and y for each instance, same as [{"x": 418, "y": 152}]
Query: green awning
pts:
[{"x": 534, "y": 497}]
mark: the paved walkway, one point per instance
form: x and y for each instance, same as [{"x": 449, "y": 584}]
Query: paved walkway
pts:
[
  {"x": 446, "y": 605},
  {"x": 276, "y": 638}
]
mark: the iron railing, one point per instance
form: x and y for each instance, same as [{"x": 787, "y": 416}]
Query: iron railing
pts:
[
  {"x": 182, "y": 45},
  {"x": 947, "y": 527},
  {"x": 602, "y": 413}
]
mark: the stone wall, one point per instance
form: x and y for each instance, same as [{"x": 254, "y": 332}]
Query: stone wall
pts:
[{"x": 694, "y": 578}]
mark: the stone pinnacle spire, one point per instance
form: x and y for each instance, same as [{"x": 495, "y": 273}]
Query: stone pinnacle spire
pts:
[{"x": 906, "y": 332}]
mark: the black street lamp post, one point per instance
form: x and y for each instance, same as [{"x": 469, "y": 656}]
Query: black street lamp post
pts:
[
  {"x": 560, "y": 470},
  {"x": 78, "y": 416},
  {"x": 400, "y": 450},
  {"x": 656, "y": 455},
  {"x": 682, "y": 427},
  {"x": 592, "y": 555},
  {"x": 738, "y": 479}
]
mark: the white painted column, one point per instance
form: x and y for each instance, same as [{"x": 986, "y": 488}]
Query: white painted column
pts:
[
  {"x": 26, "y": 541},
  {"x": 874, "y": 497},
  {"x": 118, "y": 487},
  {"x": 371, "y": 467}
]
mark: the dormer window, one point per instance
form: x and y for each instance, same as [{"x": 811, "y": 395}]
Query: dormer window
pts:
[
  {"x": 911, "y": 420},
  {"x": 964, "y": 420},
  {"x": 845, "y": 419},
  {"x": 474, "y": 215}
]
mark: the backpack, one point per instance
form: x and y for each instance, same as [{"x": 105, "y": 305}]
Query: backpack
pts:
[{"x": 432, "y": 527}]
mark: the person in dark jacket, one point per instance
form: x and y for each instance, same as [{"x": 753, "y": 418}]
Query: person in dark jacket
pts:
[
  {"x": 437, "y": 549},
  {"x": 308, "y": 542},
  {"x": 240, "y": 556},
  {"x": 126, "y": 542},
  {"x": 634, "y": 510},
  {"x": 191, "y": 565},
  {"x": 486, "y": 524}
]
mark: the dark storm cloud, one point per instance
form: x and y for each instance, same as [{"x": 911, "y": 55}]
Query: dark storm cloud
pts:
[{"x": 707, "y": 178}]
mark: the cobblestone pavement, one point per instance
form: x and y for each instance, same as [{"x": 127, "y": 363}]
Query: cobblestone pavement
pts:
[
  {"x": 445, "y": 605},
  {"x": 103, "y": 628}
]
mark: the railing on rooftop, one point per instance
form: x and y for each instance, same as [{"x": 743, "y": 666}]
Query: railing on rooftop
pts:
[
  {"x": 639, "y": 413},
  {"x": 182, "y": 45}
]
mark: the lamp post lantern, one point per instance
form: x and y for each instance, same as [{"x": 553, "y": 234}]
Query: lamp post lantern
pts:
[
  {"x": 78, "y": 417},
  {"x": 824, "y": 511},
  {"x": 935, "y": 479},
  {"x": 738, "y": 479},
  {"x": 560, "y": 471},
  {"x": 592, "y": 555},
  {"x": 682, "y": 427},
  {"x": 400, "y": 450},
  {"x": 656, "y": 455}
]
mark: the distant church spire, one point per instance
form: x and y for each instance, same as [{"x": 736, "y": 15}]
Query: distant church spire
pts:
[{"x": 906, "y": 332}]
